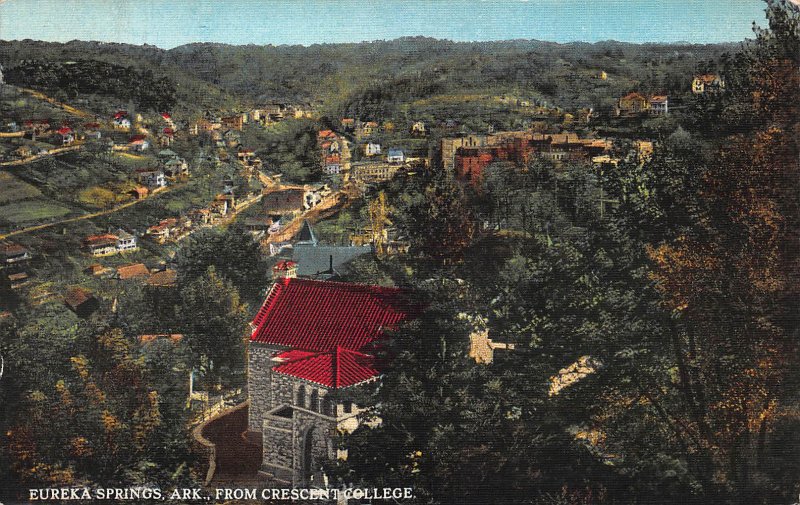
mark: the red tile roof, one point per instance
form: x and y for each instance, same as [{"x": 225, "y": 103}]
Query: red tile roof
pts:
[
  {"x": 66, "y": 130},
  {"x": 165, "y": 115},
  {"x": 121, "y": 114},
  {"x": 335, "y": 369},
  {"x": 100, "y": 239},
  {"x": 137, "y": 138},
  {"x": 132, "y": 271},
  {"x": 320, "y": 316}
]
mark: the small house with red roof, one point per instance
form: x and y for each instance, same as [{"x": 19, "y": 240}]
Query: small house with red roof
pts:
[
  {"x": 121, "y": 121},
  {"x": 64, "y": 136},
  {"x": 138, "y": 143},
  {"x": 311, "y": 340},
  {"x": 166, "y": 137}
]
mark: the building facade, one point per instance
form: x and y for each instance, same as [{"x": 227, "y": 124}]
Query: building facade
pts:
[{"x": 311, "y": 340}]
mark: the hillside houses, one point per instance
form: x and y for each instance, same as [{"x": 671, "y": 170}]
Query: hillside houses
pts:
[
  {"x": 707, "y": 83},
  {"x": 634, "y": 104},
  {"x": 151, "y": 178},
  {"x": 108, "y": 244}
]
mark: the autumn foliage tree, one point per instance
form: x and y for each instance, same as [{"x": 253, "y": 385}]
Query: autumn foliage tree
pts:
[{"x": 730, "y": 277}]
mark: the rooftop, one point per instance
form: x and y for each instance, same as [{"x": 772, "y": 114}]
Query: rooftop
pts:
[
  {"x": 335, "y": 369},
  {"x": 321, "y": 316}
]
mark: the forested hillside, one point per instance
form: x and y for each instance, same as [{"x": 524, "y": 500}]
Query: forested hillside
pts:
[{"x": 352, "y": 78}]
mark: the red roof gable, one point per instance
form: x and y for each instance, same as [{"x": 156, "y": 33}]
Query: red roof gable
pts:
[
  {"x": 165, "y": 115},
  {"x": 320, "y": 316},
  {"x": 137, "y": 138},
  {"x": 121, "y": 114},
  {"x": 66, "y": 130},
  {"x": 336, "y": 369}
]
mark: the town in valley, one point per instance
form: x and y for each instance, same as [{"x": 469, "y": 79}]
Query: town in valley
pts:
[{"x": 484, "y": 273}]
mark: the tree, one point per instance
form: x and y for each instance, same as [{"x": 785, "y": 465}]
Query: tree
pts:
[
  {"x": 215, "y": 327},
  {"x": 437, "y": 219},
  {"x": 234, "y": 255}
]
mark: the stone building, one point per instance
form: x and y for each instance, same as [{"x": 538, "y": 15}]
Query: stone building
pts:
[{"x": 312, "y": 339}]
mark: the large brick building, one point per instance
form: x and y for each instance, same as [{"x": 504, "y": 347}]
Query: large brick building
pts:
[{"x": 311, "y": 339}]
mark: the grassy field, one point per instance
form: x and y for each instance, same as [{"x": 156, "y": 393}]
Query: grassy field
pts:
[
  {"x": 13, "y": 189},
  {"x": 31, "y": 211}
]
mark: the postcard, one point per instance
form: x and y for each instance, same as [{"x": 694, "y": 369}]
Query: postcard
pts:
[{"x": 504, "y": 252}]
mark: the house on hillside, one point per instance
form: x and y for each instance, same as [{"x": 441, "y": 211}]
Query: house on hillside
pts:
[
  {"x": 13, "y": 255},
  {"x": 138, "y": 143},
  {"x": 132, "y": 271},
  {"x": 101, "y": 245},
  {"x": 64, "y": 136},
  {"x": 418, "y": 129},
  {"x": 632, "y": 103},
  {"x": 235, "y": 122},
  {"x": 395, "y": 156},
  {"x": 125, "y": 241},
  {"x": 91, "y": 131},
  {"x": 659, "y": 105},
  {"x": 139, "y": 192},
  {"x": 707, "y": 83},
  {"x": 152, "y": 178},
  {"x": 287, "y": 201},
  {"x": 324, "y": 135},
  {"x": 366, "y": 129},
  {"x": 312, "y": 341},
  {"x": 175, "y": 168},
  {"x": 166, "y": 137},
  {"x": 332, "y": 164},
  {"x": 121, "y": 122},
  {"x": 81, "y": 301},
  {"x": 372, "y": 149}
]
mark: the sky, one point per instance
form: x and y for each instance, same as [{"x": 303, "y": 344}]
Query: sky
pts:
[{"x": 170, "y": 23}]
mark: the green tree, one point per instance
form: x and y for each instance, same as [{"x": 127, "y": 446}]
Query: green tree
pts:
[{"x": 215, "y": 327}]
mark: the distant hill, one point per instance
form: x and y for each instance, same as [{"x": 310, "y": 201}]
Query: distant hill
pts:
[{"x": 351, "y": 78}]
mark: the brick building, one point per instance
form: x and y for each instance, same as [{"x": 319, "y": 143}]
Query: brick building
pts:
[{"x": 310, "y": 340}]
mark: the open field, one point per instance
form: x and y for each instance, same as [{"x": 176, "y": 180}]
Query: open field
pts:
[
  {"x": 13, "y": 189},
  {"x": 30, "y": 211}
]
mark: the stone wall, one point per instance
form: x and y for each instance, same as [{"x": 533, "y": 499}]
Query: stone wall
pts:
[
  {"x": 278, "y": 444},
  {"x": 283, "y": 390},
  {"x": 259, "y": 372}
]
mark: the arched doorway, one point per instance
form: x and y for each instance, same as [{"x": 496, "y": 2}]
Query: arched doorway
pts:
[{"x": 314, "y": 453}]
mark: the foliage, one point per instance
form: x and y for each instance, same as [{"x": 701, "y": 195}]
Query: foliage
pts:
[
  {"x": 92, "y": 76},
  {"x": 235, "y": 257}
]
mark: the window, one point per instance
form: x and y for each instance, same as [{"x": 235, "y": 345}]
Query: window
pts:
[
  {"x": 328, "y": 407},
  {"x": 314, "y": 401},
  {"x": 348, "y": 407},
  {"x": 301, "y": 396}
]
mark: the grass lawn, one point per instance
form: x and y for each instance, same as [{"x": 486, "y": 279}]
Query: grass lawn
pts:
[
  {"x": 31, "y": 211},
  {"x": 13, "y": 189}
]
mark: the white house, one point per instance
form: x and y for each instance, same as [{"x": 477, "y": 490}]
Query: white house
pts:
[
  {"x": 395, "y": 156},
  {"x": 125, "y": 241}
]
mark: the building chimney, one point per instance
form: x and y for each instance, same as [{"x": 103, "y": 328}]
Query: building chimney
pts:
[{"x": 284, "y": 269}]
